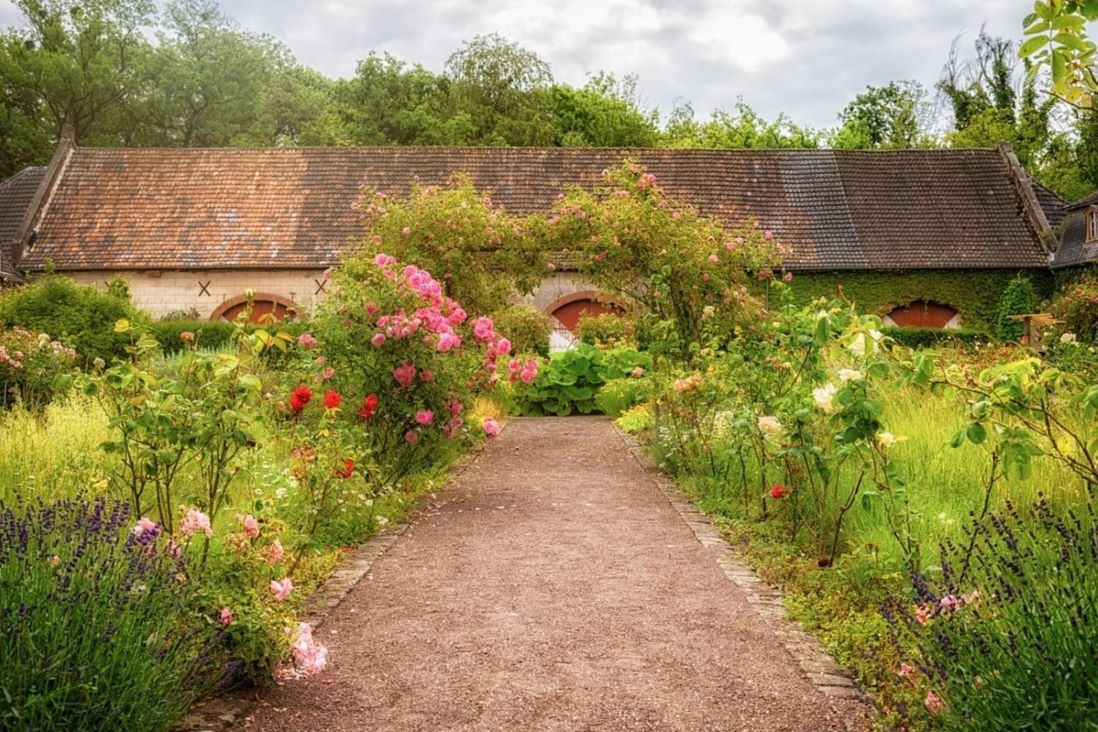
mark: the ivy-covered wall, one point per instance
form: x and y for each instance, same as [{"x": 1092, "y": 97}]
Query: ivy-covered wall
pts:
[{"x": 974, "y": 293}]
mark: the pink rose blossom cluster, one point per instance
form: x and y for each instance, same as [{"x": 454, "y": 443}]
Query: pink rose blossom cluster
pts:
[
  {"x": 516, "y": 370},
  {"x": 281, "y": 589},
  {"x": 310, "y": 657},
  {"x": 195, "y": 522}
]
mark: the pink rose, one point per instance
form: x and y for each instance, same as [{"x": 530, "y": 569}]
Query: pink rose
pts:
[
  {"x": 405, "y": 374},
  {"x": 282, "y": 589},
  {"x": 491, "y": 428},
  {"x": 226, "y": 617},
  {"x": 425, "y": 417},
  {"x": 275, "y": 552},
  {"x": 195, "y": 522},
  {"x": 251, "y": 526},
  {"x": 411, "y": 437}
]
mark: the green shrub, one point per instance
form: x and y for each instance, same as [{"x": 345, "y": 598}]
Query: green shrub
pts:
[
  {"x": 608, "y": 330},
  {"x": 571, "y": 379},
  {"x": 29, "y": 367},
  {"x": 81, "y": 317},
  {"x": 1077, "y": 306},
  {"x": 932, "y": 337},
  {"x": 618, "y": 395},
  {"x": 1019, "y": 298},
  {"x": 212, "y": 334},
  {"x": 526, "y": 326},
  {"x": 98, "y": 628}
]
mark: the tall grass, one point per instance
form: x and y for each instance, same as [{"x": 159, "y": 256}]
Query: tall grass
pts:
[{"x": 53, "y": 453}]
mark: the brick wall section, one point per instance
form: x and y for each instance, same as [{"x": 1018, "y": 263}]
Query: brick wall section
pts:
[{"x": 160, "y": 292}]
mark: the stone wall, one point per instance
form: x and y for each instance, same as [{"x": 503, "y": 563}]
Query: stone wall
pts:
[{"x": 160, "y": 292}]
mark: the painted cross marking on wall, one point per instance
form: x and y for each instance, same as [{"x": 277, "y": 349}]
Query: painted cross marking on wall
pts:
[
  {"x": 203, "y": 288},
  {"x": 320, "y": 286}
]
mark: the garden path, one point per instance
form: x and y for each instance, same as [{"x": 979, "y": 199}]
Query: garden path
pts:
[{"x": 552, "y": 588}]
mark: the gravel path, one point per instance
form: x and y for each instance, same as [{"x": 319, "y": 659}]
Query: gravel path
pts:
[{"x": 554, "y": 588}]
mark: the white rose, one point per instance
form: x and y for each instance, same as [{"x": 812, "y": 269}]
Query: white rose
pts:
[
  {"x": 886, "y": 440},
  {"x": 823, "y": 397},
  {"x": 770, "y": 425},
  {"x": 849, "y": 375}
]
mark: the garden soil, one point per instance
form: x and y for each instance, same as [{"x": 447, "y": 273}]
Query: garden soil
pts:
[{"x": 552, "y": 587}]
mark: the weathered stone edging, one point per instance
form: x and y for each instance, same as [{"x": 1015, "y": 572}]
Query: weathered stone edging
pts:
[
  {"x": 834, "y": 682},
  {"x": 223, "y": 712}
]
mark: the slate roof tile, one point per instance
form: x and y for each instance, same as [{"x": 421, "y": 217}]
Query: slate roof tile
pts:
[{"x": 291, "y": 208}]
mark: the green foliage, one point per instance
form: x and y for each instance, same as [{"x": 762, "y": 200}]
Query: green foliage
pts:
[
  {"x": 503, "y": 90},
  {"x": 194, "y": 414},
  {"x": 1019, "y": 297},
  {"x": 974, "y": 294},
  {"x": 608, "y": 330},
  {"x": 1011, "y": 650},
  {"x": 620, "y": 395},
  {"x": 79, "y": 316},
  {"x": 1057, "y": 42},
  {"x": 1076, "y": 304},
  {"x": 931, "y": 337},
  {"x": 741, "y": 128},
  {"x": 527, "y": 327},
  {"x": 212, "y": 334},
  {"x": 659, "y": 257},
  {"x": 637, "y": 419},
  {"x": 99, "y": 632},
  {"x": 482, "y": 255},
  {"x": 571, "y": 380},
  {"x": 896, "y": 115},
  {"x": 603, "y": 113},
  {"x": 30, "y": 366}
]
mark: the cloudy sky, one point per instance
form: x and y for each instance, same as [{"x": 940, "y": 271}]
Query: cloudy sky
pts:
[{"x": 807, "y": 58}]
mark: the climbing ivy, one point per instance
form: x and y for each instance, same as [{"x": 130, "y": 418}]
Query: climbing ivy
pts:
[{"x": 974, "y": 293}]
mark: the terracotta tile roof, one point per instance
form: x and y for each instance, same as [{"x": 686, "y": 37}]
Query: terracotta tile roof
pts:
[
  {"x": 291, "y": 208},
  {"x": 15, "y": 195}
]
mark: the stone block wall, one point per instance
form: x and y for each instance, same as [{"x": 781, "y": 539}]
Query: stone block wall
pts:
[{"x": 159, "y": 292}]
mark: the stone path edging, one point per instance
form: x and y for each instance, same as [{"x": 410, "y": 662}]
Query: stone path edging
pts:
[
  {"x": 830, "y": 679},
  {"x": 223, "y": 712}
]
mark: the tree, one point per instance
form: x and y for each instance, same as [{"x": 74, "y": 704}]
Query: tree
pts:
[
  {"x": 72, "y": 63},
  {"x": 603, "y": 113},
  {"x": 892, "y": 116},
  {"x": 739, "y": 129},
  {"x": 389, "y": 103},
  {"x": 503, "y": 90}
]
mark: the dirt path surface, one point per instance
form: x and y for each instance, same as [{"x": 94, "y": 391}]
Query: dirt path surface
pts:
[{"x": 554, "y": 588}]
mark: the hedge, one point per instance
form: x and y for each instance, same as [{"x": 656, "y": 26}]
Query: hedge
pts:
[{"x": 212, "y": 334}]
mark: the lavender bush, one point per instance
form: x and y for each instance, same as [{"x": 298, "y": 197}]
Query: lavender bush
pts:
[
  {"x": 1006, "y": 638},
  {"x": 96, "y": 626}
]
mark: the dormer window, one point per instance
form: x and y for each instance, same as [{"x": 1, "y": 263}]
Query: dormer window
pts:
[{"x": 1092, "y": 224}]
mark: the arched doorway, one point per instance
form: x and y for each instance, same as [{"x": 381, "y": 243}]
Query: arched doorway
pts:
[
  {"x": 923, "y": 314},
  {"x": 567, "y": 311},
  {"x": 263, "y": 303}
]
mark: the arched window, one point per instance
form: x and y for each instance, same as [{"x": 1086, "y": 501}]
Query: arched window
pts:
[
  {"x": 923, "y": 314},
  {"x": 263, "y": 303}
]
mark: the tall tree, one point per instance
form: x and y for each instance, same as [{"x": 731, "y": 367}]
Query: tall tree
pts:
[
  {"x": 503, "y": 89},
  {"x": 72, "y": 63},
  {"x": 605, "y": 112},
  {"x": 896, "y": 115}
]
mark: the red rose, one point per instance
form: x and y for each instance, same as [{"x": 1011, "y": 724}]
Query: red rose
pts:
[
  {"x": 348, "y": 469},
  {"x": 296, "y": 404},
  {"x": 369, "y": 404},
  {"x": 779, "y": 491},
  {"x": 303, "y": 394},
  {"x": 331, "y": 399}
]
